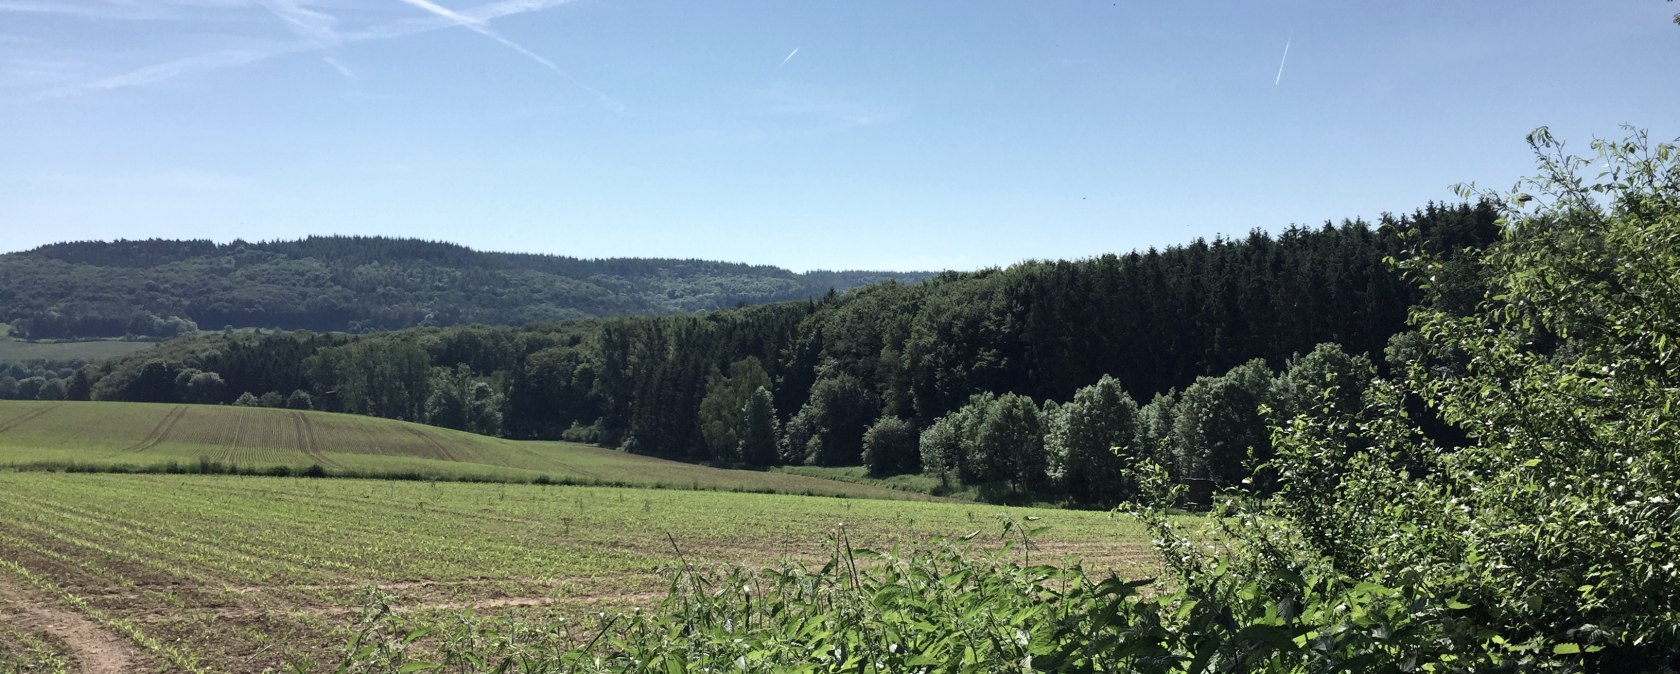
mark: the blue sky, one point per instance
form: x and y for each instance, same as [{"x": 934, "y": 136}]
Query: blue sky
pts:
[{"x": 883, "y": 135}]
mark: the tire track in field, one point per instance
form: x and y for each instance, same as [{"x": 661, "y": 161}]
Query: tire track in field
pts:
[
  {"x": 160, "y": 432},
  {"x": 437, "y": 447},
  {"x": 95, "y": 649},
  {"x": 26, "y": 417},
  {"x": 238, "y": 425},
  {"x": 405, "y": 606},
  {"x": 307, "y": 442}
]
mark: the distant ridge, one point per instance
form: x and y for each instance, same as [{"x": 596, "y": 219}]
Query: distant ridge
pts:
[{"x": 154, "y": 287}]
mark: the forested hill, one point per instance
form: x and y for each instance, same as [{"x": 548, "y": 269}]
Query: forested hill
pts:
[
  {"x": 1187, "y": 338},
  {"x": 160, "y": 288}
]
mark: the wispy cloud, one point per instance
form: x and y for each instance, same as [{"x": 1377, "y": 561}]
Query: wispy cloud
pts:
[
  {"x": 310, "y": 24},
  {"x": 116, "y": 10},
  {"x": 319, "y": 30},
  {"x": 482, "y": 28},
  {"x": 339, "y": 66},
  {"x": 167, "y": 70},
  {"x": 313, "y": 25}
]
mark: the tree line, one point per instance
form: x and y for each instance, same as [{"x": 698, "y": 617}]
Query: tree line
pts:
[{"x": 1009, "y": 381}]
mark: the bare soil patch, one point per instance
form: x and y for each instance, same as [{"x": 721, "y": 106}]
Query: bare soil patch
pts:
[{"x": 94, "y": 649}]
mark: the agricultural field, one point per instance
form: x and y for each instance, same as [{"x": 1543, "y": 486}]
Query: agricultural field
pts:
[
  {"x": 145, "y": 437},
  {"x": 18, "y": 351},
  {"x": 196, "y": 573}
]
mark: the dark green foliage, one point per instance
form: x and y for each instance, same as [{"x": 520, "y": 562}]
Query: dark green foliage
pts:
[
  {"x": 1218, "y": 422},
  {"x": 889, "y": 447},
  {"x": 833, "y": 421},
  {"x": 1556, "y": 518},
  {"x": 1326, "y": 371},
  {"x": 385, "y": 379},
  {"x": 51, "y": 389},
  {"x": 80, "y": 386},
  {"x": 942, "y": 447},
  {"x": 462, "y": 401},
  {"x": 1090, "y": 442},
  {"x": 1041, "y": 330},
  {"x": 722, "y": 418},
  {"x": 203, "y": 388},
  {"x": 760, "y": 429},
  {"x": 359, "y": 284},
  {"x": 1008, "y": 446},
  {"x": 300, "y": 400}
]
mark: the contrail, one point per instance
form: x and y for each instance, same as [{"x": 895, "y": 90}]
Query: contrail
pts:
[
  {"x": 789, "y": 57},
  {"x": 1285, "y": 58},
  {"x": 478, "y": 26},
  {"x": 234, "y": 58}
]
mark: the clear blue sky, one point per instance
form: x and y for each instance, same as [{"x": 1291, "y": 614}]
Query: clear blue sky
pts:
[{"x": 899, "y": 135}]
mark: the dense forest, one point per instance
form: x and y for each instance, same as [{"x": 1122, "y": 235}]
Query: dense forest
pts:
[
  {"x": 159, "y": 288},
  {"x": 1013, "y": 382}
]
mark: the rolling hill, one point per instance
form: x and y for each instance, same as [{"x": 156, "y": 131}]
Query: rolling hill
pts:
[
  {"x": 119, "y": 437},
  {"x": 161, "y": 288}
]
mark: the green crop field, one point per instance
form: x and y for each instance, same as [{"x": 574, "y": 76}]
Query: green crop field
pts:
[
  {"x": 150, "y": 437},
  {"x": 16, "y": 351},
  {"x": 238, "y": 574}
]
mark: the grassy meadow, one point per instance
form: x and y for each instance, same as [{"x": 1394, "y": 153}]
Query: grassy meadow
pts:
[
  {"x": 238, "y": 574},
  {"x": 18, "y": 351},
  {"x": 145, "y": 437}
]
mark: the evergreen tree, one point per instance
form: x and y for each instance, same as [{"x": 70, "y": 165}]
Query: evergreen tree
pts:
[
  {"x": 80, "y": 386},
  {"x": 759, "y": 429}
]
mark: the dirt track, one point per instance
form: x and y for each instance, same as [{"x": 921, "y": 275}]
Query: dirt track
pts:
[{"x": 94, "y": 649}]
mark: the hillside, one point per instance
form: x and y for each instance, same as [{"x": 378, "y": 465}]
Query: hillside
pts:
[
  {"x": 149, "y": 437},
  {"x": 162, "y": 288}
]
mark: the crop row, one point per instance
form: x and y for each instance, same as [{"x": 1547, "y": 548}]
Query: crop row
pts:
[{"x": 242, "y": 573}]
